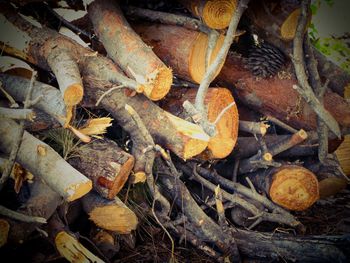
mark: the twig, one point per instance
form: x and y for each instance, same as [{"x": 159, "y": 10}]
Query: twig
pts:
[
  {"x": 108, "y": 92},
  {"x": 213, "y": 36},
  {"x": 315, "y": 81},
  {"x": 253, "y": 127},
  {"x": 166, "y": 18},
  {"x": 21, "y": 217},
  {"x": 218, "y": 118},
  {"x": 18, "y": 140},
  {"x": 213, "y": 68},
  {"x": 305, "y": 90},
  {"x": 250, "y": 184},
  {"x": 220, "y": 207},
  {"x": 281, "y": 124},
  {"x": 289, "y": 142},
  {"x": 257, "y": 161},
  {"x": 17, "y": 114},
  {"x": 8, "y": 96}
]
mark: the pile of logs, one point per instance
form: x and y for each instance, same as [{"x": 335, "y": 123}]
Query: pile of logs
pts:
[{"x": 227, "y": 156}]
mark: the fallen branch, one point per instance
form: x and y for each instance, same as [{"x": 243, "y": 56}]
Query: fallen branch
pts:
[{"x": 21, "y": 217}]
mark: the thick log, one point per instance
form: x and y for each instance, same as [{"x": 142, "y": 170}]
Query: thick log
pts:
[
  {"x": 105, "y": 164},
  {"x": 290, "y": 186},
  {"x": 182, "y": 49},
  {"x": 41, "y": 160},
  {"x": 276, "y": 97},
  {"x": 185, "y": 139},
  {"x": 111, "y": 215},
  {"x": 43, "y": 202},
  {"x": 127, "y": 49},
  {"x": 51, "y": 100},
  {"x": 275, "y": 22},
  {"x": 220, "y": 145},
  {"x": 67, "y": 243},
  {"x": 215, "y": 14}
]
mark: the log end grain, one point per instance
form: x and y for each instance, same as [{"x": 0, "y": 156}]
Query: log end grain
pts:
[
  {"x": 294, "y": 188},
  {"x": 288, "y": 27},
  {"x": 217, "y": 14},
  {"x": 73, "y": 94},
  {"x": 343, "y": 155},
  {"x": 160, "y": 82},
  {"x": 222, "y": 144},
  {"x": 331, "y": 185},
  {"x": 4, "y": 231},
  {"x": 197, "y": 65},
  {"x": 75, "y": 191}
]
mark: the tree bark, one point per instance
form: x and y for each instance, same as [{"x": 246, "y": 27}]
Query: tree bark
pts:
[
  {"x": 127, "y": 49},
  {"x": 276, "y": 97},
  {"x": 222, "y": 144},
  {"x": 182, "y": 49},
  {"x": 44, "y": 162},
  {"x": 105, "y": 164}
]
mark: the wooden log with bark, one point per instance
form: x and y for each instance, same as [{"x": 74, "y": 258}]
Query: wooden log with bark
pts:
[
  {"x": 111, "y": 215},
  {"x": 217, "y": 99},
  {"x": 275, "y": 96},
  {"x": 44, "y": 162},
  {"x": 291, "y": 186},
  {"x": 127, "y": 49},
  {"x": 215, "y": 14},
  {"x": 182, "y": 49},
  {"x": 105, "y": 164}
]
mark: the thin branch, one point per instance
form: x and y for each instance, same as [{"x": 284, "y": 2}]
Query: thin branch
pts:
[
  {"x": 17, "y": 114},
  {"x": 218, "y": 118},
  {"x": 108, "y": 92},
  {"x": 18, "y": 140},
  {"x": 21, "y": 217},
  {"x": 253, "y": 127},
  {"x": 289, "y": 142},
  {"x": 281, "y": 124},
  {"x": 8, "y": 96},
  {"x": 213, "y": 37},
  {"x": 298, "y": 60}
]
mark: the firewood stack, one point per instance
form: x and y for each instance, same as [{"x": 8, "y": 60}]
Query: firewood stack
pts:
[{"x": 130, "y": 118}]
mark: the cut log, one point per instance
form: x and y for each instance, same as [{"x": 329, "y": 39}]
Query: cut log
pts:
[
  {"x": 290, "y": 186},
  {"x": 221, "y": 145},
  {"x": 41, "y": 160},
  {"x": 127, "y": 49},
  {"x": 111, "y": 215},
  {"x": 4, "y": 231},
  {"x": 106, "y": 242},
  {"x": 67, "y": 244},
  {"x": 215, "y": 14},
  {"x": 105, "y": 164},
  {"x": 185, "y": 139},
  {"x": 275, "y": 22},
  {"x": 276, "y": 97},
  {"x": 182, "y": 49},
  {"x": 51, "y": 100}
]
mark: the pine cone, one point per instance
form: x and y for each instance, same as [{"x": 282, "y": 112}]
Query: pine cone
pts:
[{"x": 265, "y": 60}]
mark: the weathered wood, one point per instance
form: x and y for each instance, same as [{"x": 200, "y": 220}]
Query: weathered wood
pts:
[
  {"x": 111, "y": 215},
  {"x": 291, "y": 186},
  {"x": 127, "y": 49},
  {"x": 276, "y": 97},
  {"x": 105, "y": 164},
  {"x": 215, "y": 14},
  {"x": 217, "y": 99},
  {"x": 182, "y": 49},
  {"x": 44, "y": 162}
]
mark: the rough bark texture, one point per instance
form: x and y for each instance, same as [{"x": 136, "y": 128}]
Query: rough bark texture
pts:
[
  {"x": 290, "y": 186},
  {"x": 105, "y": 164},
  {"x": 215, "y": 14},
  {"x": 217, "y": 99},
  {"x": 111, "y": 215},
  {"x": 275, "y": 96},
  {"x": 182, "y": 49},
  {"x": 44, "y": 162},
  {"x": 127, "y": 49}
]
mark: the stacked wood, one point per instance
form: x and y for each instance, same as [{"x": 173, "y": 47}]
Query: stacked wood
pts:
[
  {"x": 290, "y": 186},
  {"x": 222, "y": 144},
  {"x": 111, "y": 215},
  {"x": 126, "y": 48},
  {"x": 43, "y": 161},
  {"x": 215, "y": 14},
  {"x": 105, "y": 164},
  {"x": 276, "y": 97},
  {"x": 190, "y": 139},
  {"x": 182, "y": 49},
  {"x": 275, "y": 22}
]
